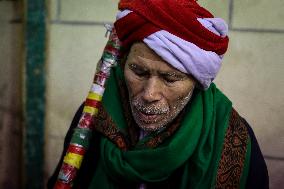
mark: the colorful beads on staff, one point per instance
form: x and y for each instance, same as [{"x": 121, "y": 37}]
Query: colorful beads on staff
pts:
[
  {"x": 97, "y": 89},
  {"x": 73, "y": 159},
  {"x": 94, "y": 96},
  {"x": 106, "y": 65},
  {"x": 74, "y": 148},
  {"x": 82, "y": 133},
  {"x": 81, "y": 137},
  {"x": 67, "y": 173},
  {"x": 86, "y": 121},
  {"x": 92, "y": 103},
  {"x": 60, "y": 185},
  {"x": 101, "y": 78},
  {"x": 111, "y": 52},
  {"x": 91, "y": 110}
]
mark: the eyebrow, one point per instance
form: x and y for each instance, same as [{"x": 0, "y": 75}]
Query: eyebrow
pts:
[
  {"x": 173, "y": 74},
  {"x": 135, "y": 66}
]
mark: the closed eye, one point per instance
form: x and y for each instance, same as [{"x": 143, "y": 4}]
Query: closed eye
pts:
[
  {"x": 172, "y": 77},
  {"x": 138, "y": 70},
  {"x": 170, "y": 80}
]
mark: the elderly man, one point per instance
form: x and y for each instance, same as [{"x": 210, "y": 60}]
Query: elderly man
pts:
[{"x": 164, "y": 124}]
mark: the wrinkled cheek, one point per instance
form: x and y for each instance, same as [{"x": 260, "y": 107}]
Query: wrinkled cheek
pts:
[
  {"x": 129, "y": 88},
  {"x": 180, "y": 104},
  {"x": 133, "y": 88},
  {"x": 135, "y": 94}
]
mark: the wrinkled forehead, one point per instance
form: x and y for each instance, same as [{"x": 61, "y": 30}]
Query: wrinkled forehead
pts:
[
  {"x": 135, "y": 50},
  {"x": 140, "y": 49},
  {"x": 144, "y": 56}
]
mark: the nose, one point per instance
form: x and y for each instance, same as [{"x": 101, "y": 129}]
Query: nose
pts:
[{"x": 152, "y": 90}]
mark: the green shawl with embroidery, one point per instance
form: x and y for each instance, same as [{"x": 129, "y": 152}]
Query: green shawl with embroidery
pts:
[{"x": 195, "y": 147}]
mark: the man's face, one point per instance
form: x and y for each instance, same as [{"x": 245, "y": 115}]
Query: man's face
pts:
[{"x": 157, "y": 91}]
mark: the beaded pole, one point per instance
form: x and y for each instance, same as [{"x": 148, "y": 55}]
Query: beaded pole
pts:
[{"x": 82, "y": 133}]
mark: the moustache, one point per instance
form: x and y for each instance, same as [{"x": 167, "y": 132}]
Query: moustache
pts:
[{"x": 151, "y": 108}]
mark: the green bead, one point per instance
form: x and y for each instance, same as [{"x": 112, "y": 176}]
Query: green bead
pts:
[{"x": 82, "y": 137}]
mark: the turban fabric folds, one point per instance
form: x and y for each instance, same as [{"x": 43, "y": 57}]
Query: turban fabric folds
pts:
[{"x": 183, "y": 33}]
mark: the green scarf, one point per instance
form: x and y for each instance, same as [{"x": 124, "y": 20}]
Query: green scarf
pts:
[{"x": 195, "y": 147}]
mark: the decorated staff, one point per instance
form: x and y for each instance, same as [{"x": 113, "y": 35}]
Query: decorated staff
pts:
[
  {"x": 163, "y": 123},
  {"x": 82, "y": 134}
]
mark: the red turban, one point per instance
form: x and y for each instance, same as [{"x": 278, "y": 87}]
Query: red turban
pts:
[{"x": 178, "y": 17}]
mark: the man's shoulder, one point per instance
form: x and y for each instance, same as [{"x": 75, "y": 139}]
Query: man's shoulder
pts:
[{"x": 241, "y": 151}]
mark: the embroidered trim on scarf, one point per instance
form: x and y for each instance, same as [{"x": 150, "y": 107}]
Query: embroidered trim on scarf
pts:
[
  {"x": 233, "y": 155},
  {"x": 105, "y": 125}
]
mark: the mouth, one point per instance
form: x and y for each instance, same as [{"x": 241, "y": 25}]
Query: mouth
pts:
[
  {"x": 149, "y": 114},
  {"x": 148, "y": 118}
]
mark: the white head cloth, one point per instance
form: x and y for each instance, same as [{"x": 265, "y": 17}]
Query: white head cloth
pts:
[{"x": 186, "y": 56}]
